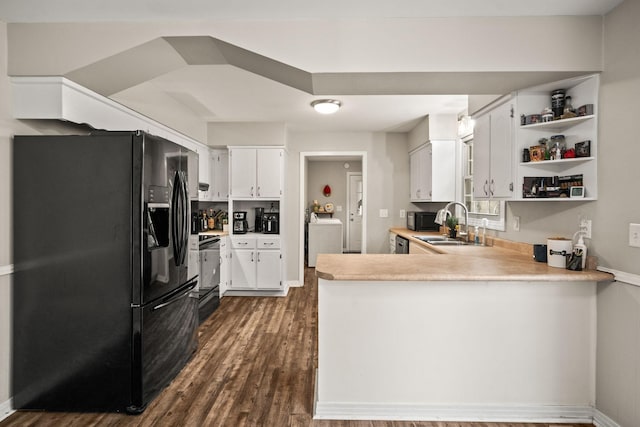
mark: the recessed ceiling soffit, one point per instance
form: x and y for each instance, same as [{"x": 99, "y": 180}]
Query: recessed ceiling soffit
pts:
[{"x": 163, "y": 55}]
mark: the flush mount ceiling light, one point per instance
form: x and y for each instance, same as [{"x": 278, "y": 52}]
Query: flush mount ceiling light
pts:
[{"x": 326, "y": 106}]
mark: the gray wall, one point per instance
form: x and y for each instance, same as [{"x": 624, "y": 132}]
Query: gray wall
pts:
[
  {"x": 8, "y": 128},
  {"x": 387, "y": 186},
  {"x": 6, "y": 125},
  {"x": 618, "y": 358},
  {"x": 332, "y": 173}
]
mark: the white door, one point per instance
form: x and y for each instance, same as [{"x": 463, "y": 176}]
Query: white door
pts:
[{"x": 354, "y": 220}]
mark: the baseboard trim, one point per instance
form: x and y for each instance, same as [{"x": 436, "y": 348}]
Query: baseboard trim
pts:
[
  {"x": 455, "y": 413},
  {"x": 295, "y": 284},
  {"x": 601, "y": 420},
  {"x": 248, "y": 293},
  {"x": 6, "y": 270},
  {"x": 6, "y": 409}
]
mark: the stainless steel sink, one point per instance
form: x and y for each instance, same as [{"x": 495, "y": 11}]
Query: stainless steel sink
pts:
[
  {"x": 441, "y": 241},
  {"x": 448, "y": 243},
  {"x": 431, "y": 238}
]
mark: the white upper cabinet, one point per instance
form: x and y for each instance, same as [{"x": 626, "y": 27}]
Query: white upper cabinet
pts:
[
  {"x": 219, "y": 163},
  {"x": 204, "y": 170},
  {"x": 492, "y": 152},
  {"x": 256, "y": 173},
  {"x": 242, "y": 162},
  {"x": 434, "y": 160},
  {"x": 269, "y": 173},
  {"x": 435, "y": 171}
]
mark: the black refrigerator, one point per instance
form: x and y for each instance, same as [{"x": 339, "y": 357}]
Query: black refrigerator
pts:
[{"x": 105, "y": 310}]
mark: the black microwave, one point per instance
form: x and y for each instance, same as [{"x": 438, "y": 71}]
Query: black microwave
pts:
[{"x": 422, "y": 221}]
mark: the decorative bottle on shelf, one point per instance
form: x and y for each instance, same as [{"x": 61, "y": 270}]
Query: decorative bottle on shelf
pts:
[
  {"x": 205, "y": 224},
  {"x": 211, "y": 222}
]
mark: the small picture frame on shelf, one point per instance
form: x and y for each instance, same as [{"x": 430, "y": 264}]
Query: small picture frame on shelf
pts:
[
  {"x": 583, "y": 149},
  {"x": 536, "y": 153}
]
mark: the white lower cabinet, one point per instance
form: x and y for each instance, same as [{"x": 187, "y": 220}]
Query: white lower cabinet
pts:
[{"x": 255, "y": 263}]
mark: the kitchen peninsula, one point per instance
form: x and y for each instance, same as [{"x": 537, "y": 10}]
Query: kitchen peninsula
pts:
[{"x": 467, "y": 334}]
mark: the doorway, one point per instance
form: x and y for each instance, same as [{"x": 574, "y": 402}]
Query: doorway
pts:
[
  {"x": 354, "y": 162},
  {"x": 353, "y": 235}
]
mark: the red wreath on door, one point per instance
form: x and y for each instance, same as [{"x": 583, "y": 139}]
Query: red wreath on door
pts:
[{"x": 326, "y": 191}]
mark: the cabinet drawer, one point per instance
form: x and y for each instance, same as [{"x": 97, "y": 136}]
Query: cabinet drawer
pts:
[
  {"x": 243, "y": 243},
  {"x": 273, "y": 243}
]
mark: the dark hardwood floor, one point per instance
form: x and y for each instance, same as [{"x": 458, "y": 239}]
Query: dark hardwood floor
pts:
[{"x": 254, "y": 367}]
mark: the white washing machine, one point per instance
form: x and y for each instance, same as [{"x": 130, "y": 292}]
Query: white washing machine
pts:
[{"x": 325, "y": 237}]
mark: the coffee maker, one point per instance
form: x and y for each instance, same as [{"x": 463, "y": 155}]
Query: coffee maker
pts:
[{"x": 240, "y": 224}]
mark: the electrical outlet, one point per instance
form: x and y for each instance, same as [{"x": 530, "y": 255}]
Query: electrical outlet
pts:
[
  {"x": 384, "y": 213},
  {"x": 339, "y": 208},
  {"x": 403, "y": 213},
  {"x": 585, "y": 227},
  {"x": 634, "y": 235},
  {"x": 516, "y": 223}
]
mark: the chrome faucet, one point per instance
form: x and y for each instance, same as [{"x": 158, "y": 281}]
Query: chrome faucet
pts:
[{"x": 466, "y": 218}]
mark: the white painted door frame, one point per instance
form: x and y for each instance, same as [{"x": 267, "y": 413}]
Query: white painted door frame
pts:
[
  {"x": 349, "y": 223},
  {"x": 304, "y": 155}
]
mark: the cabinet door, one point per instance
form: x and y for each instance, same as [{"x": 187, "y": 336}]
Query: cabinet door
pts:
[
  {"x": 421, "y": 174},
  {"x": 426, "y": 176},
  {"x": 501, "y": 178},
  {"x": 269, "y": 270},
  {"x": 243, "y": 270},
  {"x": 224, "y": 266},
  {"x": 269, "y": 174},
  {"x": 204, "y": 170},
  {"x": 219, "y": 175},
  {"x": 481, "y": 156},
  {"x": 445, "y": 170},
  {"x": 414, "y": 168},
  {"x": 243, "y": 172}
]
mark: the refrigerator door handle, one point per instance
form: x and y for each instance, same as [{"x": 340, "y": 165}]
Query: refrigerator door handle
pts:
[
  {"x": 175, "y": 232},
  {"x": 185, "y": 217},
  {"x": 176, "y": 297}
]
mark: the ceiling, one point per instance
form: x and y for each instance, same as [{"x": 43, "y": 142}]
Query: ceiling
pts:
[{"x": 228, "y": 92}]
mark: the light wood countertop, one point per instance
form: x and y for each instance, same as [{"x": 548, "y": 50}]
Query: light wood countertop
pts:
[{"x": 450, "y": 263}]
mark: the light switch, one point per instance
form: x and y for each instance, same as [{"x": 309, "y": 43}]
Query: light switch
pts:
[
  {"x": 384, "y": 213},
  {"x": 634, "y": 235},
  {"x": 339, "y": 208}
]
